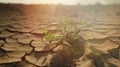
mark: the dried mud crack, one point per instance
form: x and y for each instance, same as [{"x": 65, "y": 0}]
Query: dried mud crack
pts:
[{"x": 22, "y": 37}]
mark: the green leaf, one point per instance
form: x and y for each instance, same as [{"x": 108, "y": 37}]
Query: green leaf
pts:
[{"x": 49, "y": 37}]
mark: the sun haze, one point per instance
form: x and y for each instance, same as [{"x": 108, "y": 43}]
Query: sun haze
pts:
[{"x": 66, "y": 2}]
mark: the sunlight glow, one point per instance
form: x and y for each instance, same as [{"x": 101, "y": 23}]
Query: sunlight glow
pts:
[{"x": 67, "y": 2}]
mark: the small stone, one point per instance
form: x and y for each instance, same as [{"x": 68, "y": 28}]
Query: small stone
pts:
[
  {"x": 14, "y": 44},
  {"x": 16, "y": 47},
  {"x": 39, "y": 31},
  {"x": 18, "y": 36},
  {"x": 25, "y": 40},
  {"x": 6, "y": 34},
  {"x": 38, "y": 44},
  {"x": 6, "y": 59},
  {"x": 10, "y": 40},
  {"x": 31, "y": 59},
  {"x": 9, "y": 48},
  {"x": 16, "y": 54},
  {"x": 24, "y": 48},
  {"x": 40, "y": 49}
]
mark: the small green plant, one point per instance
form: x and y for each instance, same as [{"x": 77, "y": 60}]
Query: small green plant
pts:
[
  {"x": 68, "y": 27},
  {"x": 49, "y": 37}
]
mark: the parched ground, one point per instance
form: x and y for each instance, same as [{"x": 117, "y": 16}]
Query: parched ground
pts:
[{"x": 22, "y": 30}]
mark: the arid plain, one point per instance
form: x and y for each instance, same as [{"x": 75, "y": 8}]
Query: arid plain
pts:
[{"x": 23, "y": 27}]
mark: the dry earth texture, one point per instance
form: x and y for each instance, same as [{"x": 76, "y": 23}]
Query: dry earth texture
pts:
[{"x": 23, "y": 27}]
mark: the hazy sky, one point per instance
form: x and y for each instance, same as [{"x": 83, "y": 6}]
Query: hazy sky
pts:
[{"x": 68, "y": 2}]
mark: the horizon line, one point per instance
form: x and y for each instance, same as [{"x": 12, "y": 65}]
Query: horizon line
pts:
[{"x": 58, "y": 4}]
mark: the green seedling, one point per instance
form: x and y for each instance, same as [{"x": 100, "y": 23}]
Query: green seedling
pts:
[{"x": 49, "y": 37}]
